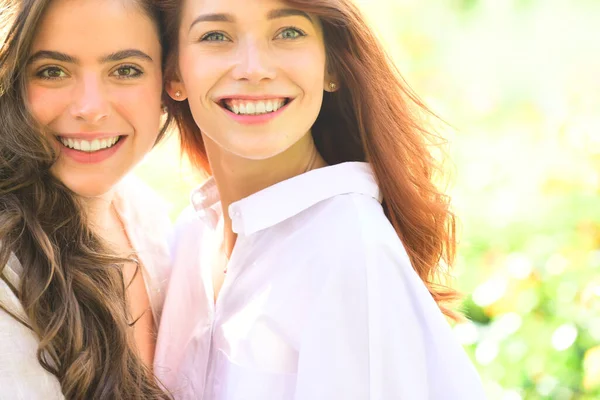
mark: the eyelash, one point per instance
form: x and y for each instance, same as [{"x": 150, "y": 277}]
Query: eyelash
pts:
[
  {"x": 205, "y": 37},
  {"x": 40, "y": 73},
  {"x": 137, "y": 72},
  {"x": 300, "y": 32}
]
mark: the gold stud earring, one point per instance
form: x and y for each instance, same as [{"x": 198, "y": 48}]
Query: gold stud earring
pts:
[
  {"x": 332, "y": 86},
  {"x": 178, "y": 94}
]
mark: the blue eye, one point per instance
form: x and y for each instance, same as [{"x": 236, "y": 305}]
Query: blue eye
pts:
[
  {"x": 214, "y": 37},
  {"x": 52, "y": 73},
  {"x": 290, "y": 33}
]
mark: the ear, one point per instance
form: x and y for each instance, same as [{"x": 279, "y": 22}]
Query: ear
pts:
[{"x": 176, "y": 90}]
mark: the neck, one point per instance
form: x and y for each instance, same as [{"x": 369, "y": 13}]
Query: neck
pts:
[
  {"x": 237, "y": 177},
  {"x": 100, "y": 213}
]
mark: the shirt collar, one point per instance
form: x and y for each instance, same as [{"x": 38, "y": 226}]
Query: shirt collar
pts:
[{"x": 286, "y": 199}]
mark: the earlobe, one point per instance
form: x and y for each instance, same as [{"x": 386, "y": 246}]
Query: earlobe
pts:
[
  {"x": 331, "y": 86},
  {"x": 176, "y": 90},
  {"x": 331, "y": 82}
]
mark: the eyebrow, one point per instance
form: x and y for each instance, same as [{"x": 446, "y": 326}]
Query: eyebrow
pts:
[
  {"x": 52, "y": 55},
  {"x": 117, "y": 56},
  {"x": 288, "y": 12},
  {"x": 212, "y": 18},
  {"x": 123, "y": 54},
  {"x": 274, "y": 14}
]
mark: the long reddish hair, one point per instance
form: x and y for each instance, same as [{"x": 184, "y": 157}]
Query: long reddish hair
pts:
[{"x": 373, "y": 117}]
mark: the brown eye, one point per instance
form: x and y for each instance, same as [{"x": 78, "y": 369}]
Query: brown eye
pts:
[
  {"x": 127, "y": 71},
  {"x": 52, "y": 73}
]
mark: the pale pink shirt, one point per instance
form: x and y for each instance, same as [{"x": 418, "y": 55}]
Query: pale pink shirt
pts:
[
  {"x": 320, "y": 301},
  {"x": 147, "y": 223}
]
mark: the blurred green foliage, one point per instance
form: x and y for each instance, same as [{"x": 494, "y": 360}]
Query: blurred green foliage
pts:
[{"x": 518, "y": 82}]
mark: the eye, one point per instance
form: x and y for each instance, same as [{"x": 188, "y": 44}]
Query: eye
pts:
[
  {"x": 214, "y": 37},
  {"x": 52, "y": 73},
  {"x": 290, "y": 33},
  {"x": 127, "y": 71}
]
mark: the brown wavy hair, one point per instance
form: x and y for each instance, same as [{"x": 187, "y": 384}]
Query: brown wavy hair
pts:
[
  {"x": 373, "y": 117},
  {"x": 72, "y": 288}
]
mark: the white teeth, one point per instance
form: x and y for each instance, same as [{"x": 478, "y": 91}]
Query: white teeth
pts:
[
  {"x": 255, "y": 108},
  {"x": 89, "y": 146}
]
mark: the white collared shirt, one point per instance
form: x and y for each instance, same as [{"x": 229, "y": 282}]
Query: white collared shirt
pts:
[
  {"x": 320, "y": 301},
  {"x": 147, "y": 223}
]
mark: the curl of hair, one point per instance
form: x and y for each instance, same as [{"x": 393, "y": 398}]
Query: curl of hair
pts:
[{"x": 72, "y": 288}]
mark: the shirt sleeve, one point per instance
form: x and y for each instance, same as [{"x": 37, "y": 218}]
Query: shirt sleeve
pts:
[
  {"x": 21, "y": 374},
  {"x": 377, "y": 334}
]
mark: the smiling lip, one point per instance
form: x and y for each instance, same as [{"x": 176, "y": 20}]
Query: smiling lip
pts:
[
  {"x": 253, "y": 119},
  {"x": 84, "y": 157}
]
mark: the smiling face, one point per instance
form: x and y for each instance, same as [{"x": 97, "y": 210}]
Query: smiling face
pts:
[
  {"x": 94, "y": 79},
  {"x": 253, "y": 72}
]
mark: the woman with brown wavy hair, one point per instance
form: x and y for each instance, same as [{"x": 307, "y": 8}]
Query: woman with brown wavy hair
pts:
[
  {"x": 306, "y": 267},
  {"x": 80, "y": 273}
]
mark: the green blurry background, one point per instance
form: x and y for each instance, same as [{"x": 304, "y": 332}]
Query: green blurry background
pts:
[{"x": 519, "y": 82}]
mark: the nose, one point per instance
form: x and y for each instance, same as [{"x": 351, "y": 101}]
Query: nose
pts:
[
  {"x": 254, "y": 62},
  {"x": 90, "y": 104}
]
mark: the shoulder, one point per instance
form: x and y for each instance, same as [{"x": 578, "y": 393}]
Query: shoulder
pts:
[
  {"x": 363, "y": 254},
  {"x": 142, "y": 206},
  {"x": 21, "y": 374},
  {"x": 135, "y": 192},
  {"x": 188, "y": 227},
  {"x": 356, "y": 227},
  {"x": 187, "y": 220}
]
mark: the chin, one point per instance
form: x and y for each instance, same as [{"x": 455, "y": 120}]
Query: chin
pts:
[
  {"x": 89, "y": 190},
  {"x": 89, "y": 186},
  {"x": 258, "y": 149},
  {"x": 90, "y": 181}
]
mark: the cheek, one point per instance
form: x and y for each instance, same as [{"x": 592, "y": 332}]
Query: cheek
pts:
[
  {"x": 47, "y": 104},
  {"x": 141, "y": 96},
  {"x": 141, "y": 106},
  {"x": 307, "y": 69},
  {"x": 199, "y": 73}
]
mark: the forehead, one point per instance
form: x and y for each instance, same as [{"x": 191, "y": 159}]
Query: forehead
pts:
[
  {"x": 95, "y": 27},
  {"x": 241, "y": 9},
  {"x": 246, "y": 14}
]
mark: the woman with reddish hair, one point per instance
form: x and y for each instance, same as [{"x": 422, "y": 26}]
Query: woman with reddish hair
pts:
[{"x": 306, "y": 266}]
